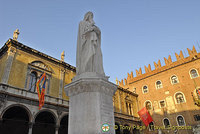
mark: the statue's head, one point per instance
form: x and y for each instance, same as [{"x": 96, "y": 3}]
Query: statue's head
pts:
[{"x": 88, "y": 15}]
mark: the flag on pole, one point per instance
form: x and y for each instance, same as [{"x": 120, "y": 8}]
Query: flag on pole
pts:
[
  {"x": 41, "y": 89},
  {"x": 145, "y": 116}
]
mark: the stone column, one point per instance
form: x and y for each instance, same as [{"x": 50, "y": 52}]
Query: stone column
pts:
[
  {"x": 8, "y": 64},
  {"x": 56, "y": 129},
  {"x": 30, "y": 128},
  {"x": 90, "y": 105}
]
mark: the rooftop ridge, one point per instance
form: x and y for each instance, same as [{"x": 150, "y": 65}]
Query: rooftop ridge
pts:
[
  {"x": 34, "y": 51},
  {"x": 180, "y": 59}
]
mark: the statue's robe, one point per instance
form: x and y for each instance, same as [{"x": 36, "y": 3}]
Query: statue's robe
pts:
[{"x": 89, "y": 55}]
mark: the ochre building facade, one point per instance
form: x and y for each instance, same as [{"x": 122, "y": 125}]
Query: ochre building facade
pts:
[
  {"x": 170, "y": 93},
  {"x": 20, "y": 69}
]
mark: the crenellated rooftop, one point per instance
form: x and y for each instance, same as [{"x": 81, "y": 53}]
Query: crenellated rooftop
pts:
[{"x": 180, "y": 59}]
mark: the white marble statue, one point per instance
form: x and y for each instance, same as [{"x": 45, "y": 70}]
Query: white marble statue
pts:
[{"x": 89, "y": 56}]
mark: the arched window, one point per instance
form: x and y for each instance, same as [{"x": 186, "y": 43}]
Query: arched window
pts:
[
  {"x": 179, "y": 98},
  {"x": 151, "y": 126},
  {"x": 166, "y": 123},
  {"x": 174, "y": 79},
  {"x": 34, "y": 73},
  {"x": 180, "y": 120},
  {"x": 148, "y": 105},
  {"x": 32, "y": 81},
  {"x": 193, "y": 73},
  {"x": 145, "y": 89},
  {"x": 158, "y": 84}
]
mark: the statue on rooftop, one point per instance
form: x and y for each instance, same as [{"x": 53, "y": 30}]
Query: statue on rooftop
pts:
[
  {"x": 15, "y": 34},
  {"x": 63, "y": 56},
  {"x": 89, "y": 55}
]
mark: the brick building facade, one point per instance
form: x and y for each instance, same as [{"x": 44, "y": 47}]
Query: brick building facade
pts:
[{"x": 169, "y": 92}]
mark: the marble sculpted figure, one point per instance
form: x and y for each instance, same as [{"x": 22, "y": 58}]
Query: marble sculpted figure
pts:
[
  {"x": 89, "y": 55},
  {"x": 90, "y": 93}
]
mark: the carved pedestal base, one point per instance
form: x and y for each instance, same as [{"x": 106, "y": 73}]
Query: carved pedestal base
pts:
[{"x": 90, "y": 106}]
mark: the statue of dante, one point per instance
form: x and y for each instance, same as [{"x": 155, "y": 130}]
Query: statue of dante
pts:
[{"x": 89, "y": 56}]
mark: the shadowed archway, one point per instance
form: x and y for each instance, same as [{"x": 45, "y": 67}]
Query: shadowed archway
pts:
[
  {"x": 117, "y": 128},
  {"x": 44, "y": 123},
  {"x": 126, "y": 129},
  {"x": 63, "y": 129},
  {"x": 15, "y": 121}
]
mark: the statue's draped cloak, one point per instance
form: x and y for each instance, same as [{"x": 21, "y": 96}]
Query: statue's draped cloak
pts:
[{"x": 89, "y": 55}]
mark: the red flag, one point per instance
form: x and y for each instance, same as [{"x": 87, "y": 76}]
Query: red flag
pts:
[{"x": 145, "y": 116}]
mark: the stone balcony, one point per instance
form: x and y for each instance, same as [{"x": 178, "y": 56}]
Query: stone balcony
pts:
[{"x": 22, "y": 93}]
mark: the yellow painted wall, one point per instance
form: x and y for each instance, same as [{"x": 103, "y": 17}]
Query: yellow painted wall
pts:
[
  {"x": 20, "y": 67},
  {"x": 18, "y": 70},
  {"x": 120, "y": 103},
  {"x": 2, "y": 64}
]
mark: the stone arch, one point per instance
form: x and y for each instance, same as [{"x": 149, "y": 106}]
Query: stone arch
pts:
[
  {"x": 173, "y": 80},
  {"x": 45, "y": 122},
  {"x": 175, "y": 98},
  {"x": 158, "y": 84},
  {"x": 145, "y": 89},
  {"x": 16, "y": 119},
  {"x": 61, "y": 116},
  {"x": 166, "y": 122},
  {"x": 195, "y": 71},
  {"x": 46, "y": 110},
  {"x": 149, "y": 107},
  {"x": 63, "y": 124},
  {"x": 178, "y": 122},
  {"x": 42, "y": 65},
  {"x": 19, "y": 105}
]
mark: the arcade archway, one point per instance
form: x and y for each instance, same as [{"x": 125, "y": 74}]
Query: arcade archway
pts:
[
  {"x": 44, "y": 123},
  {"x": 15, "y": 120},
  {"x": 63, "y": 129}
]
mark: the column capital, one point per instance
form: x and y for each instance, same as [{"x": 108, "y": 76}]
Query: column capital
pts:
[
  {"x": 30, "y": 124},
  {"x": 12, "y": 50}
]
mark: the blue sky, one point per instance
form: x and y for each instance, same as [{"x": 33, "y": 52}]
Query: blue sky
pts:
[{"x": 134, "y": 32}]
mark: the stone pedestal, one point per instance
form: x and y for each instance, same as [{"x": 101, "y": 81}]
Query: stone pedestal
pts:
[{"x": 90, "y": 105}]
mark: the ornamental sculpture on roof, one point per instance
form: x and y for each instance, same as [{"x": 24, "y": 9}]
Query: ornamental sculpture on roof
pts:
[
  {"x": 89, "y": 55},
  {"x": 15, "y": 34}
]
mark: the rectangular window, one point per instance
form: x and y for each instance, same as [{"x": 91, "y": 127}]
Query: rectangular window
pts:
[{"x": 197, "y": 117}]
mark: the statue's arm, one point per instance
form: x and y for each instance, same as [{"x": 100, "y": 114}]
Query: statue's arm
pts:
[
  {"x": 91, "y": 28},
  {"x": 96, "y": 30}
]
